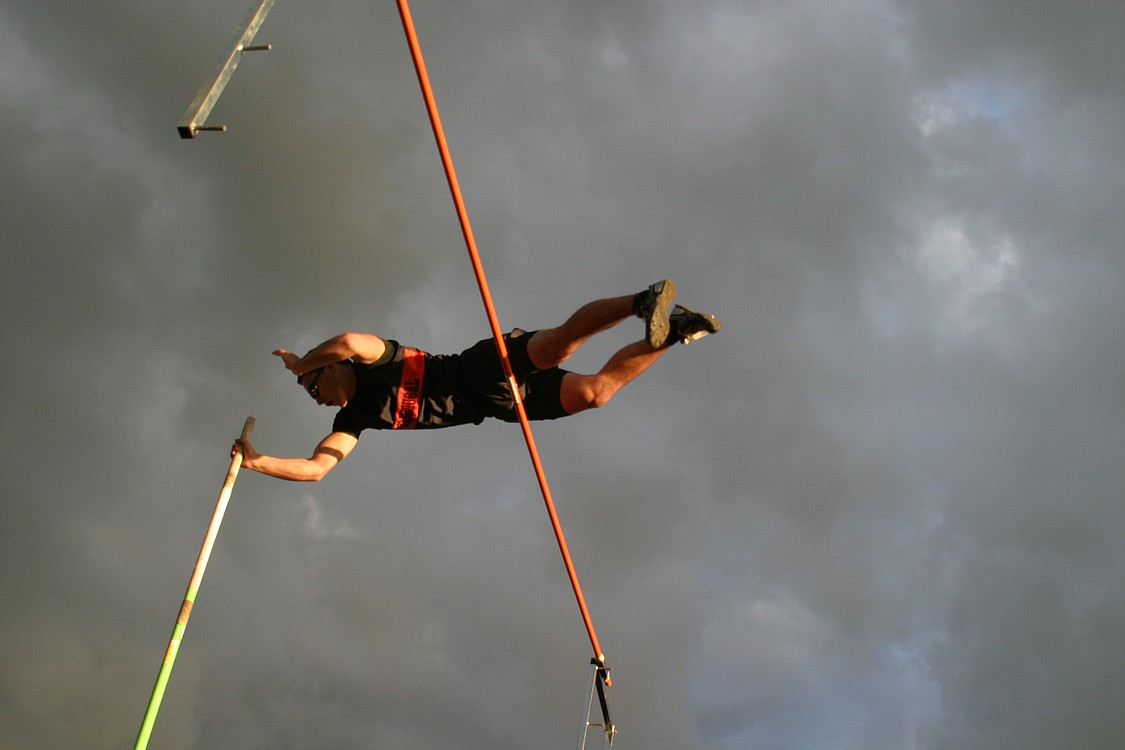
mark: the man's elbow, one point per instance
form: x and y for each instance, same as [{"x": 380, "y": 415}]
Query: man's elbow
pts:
[
  {"x": 315, "y": 473},
  {"x": 349, "y": 344},
  {"x": 318, "y": 469}
]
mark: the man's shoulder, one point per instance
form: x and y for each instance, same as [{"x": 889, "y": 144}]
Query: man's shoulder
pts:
[{"x": 391, "y": 354}]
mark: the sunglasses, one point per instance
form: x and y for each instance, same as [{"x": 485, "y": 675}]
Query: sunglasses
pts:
[{"x": 313, "y": 390}]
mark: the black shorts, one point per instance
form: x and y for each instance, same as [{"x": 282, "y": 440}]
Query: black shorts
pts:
[{"x": 541, "y": 390}]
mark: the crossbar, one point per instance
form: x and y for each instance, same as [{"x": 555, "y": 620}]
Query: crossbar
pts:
[{"x": 195, "y": 117}]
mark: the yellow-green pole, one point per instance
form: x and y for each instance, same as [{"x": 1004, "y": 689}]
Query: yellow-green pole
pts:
[{"x": 189, "y": 597}]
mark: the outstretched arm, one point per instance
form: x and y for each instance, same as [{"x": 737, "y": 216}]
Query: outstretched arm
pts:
[
  {"x": 331, "y": 451},
  {"x": 360, "y": 347}
]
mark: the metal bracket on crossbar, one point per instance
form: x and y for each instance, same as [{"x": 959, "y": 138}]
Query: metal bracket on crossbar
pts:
[
  {"x": 597, "y": 681},
  {"x": 193, "y": 120}
]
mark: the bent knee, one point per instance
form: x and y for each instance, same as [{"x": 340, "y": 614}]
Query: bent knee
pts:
[
  {"x": 547, "y": 348},
  {"x": 582, "y": 392}
]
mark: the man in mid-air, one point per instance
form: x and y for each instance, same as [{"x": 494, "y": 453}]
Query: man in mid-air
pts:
[{"x": 380, "y": 384}]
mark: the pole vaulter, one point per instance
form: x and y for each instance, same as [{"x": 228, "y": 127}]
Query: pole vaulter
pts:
[
  {"x": 189, "y": 597},
  {"x": 493, "y": 321}
]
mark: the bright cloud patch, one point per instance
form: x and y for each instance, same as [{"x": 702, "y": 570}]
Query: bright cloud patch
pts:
[{"x": 966, "y": 269}]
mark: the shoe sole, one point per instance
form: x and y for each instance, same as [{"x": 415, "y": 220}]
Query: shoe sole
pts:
[{"x": 657, "y": 325}]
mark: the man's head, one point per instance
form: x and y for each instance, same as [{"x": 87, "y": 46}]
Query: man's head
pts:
[{"x": 330, "y": 385}]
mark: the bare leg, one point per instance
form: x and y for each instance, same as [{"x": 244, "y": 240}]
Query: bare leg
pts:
[
  {"x": 581, "y": 392},
  {"x": 552, "y": 346}
]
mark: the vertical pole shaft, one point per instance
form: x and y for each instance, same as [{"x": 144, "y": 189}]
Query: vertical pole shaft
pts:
[
  {"x": 478, "y": 269},
  {"x": 189, "y": 597}
]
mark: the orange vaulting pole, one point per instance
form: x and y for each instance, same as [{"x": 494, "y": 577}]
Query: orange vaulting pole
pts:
[{"x": 482, "y": 282}]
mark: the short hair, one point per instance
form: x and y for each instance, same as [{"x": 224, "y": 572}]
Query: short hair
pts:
[{"x": 316, "y": 369}]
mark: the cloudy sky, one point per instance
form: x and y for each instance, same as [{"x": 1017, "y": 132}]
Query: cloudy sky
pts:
[{"x": 881, "y": 510}]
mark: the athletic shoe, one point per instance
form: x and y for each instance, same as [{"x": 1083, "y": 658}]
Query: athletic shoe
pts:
[
  {"x": 688, "y": 325},
  {"x": 652, "y": 305}
]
